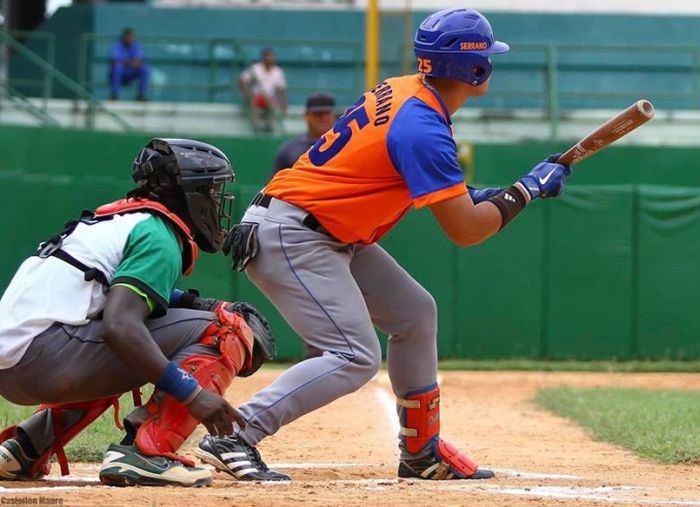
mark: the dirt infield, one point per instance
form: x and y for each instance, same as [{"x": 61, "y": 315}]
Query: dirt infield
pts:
[{"x": 345, "y": 454}]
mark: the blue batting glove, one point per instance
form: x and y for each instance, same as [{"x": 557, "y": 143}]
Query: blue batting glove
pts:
[
  {"x": 547, "y": 178},
  {"x": 482, "y": 194}
]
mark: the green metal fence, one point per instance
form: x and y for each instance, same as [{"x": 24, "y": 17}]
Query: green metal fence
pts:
[
  {"x": 48, "y": 74},
  {"x": 562, "y": 77},
  {"x": 45, "y": 47},
  {"x": 551, "y": 78}
]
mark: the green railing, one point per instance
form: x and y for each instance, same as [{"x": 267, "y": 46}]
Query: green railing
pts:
[
  {"x": 659, "y": 73},
  {"x": 95, "y": 49},
  {"x": 560, "y": 77},
  {"x": 19, "y": 101},
  {"x": 50, "y": 74},
  {"x": 221, "y": 60},
  {"x": 43, "y": 85},
  {"x": 549, "y": 78}
]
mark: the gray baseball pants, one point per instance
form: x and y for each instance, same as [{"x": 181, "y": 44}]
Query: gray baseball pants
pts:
[
  {"x": 67, "y": 364},
  {"x": 333, "y": 295}
]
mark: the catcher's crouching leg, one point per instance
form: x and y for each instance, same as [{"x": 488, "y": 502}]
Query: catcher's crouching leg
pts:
[
  {"x": 82, "y": 413},
  {"x": 430, "y": 456},
  {"x": 169, "y": 422}
]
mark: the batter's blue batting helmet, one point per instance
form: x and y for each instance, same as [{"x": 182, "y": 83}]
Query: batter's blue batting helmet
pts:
[{"x": 456, "y": 44}]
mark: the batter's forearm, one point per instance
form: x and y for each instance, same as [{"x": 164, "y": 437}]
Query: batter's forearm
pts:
[{"x": 487, "y": 222}]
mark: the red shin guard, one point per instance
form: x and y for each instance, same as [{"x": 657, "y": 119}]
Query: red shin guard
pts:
[
  {"x": 420, "y": 418},
  {"x": 93, "y": 410},
  {"x": 170, "y": 422},
  {"x": 420, "y": 426}
]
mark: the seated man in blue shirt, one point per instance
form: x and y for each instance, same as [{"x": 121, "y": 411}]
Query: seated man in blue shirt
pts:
[{"x": 127, "y": 65}]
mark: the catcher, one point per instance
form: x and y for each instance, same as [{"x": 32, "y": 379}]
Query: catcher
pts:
[
  {"x": 317, "y": 259},
  {"x": 94, "y": 314}
]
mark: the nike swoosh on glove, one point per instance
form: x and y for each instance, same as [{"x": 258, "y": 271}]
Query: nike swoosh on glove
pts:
[{"x": 546, "y": 179}]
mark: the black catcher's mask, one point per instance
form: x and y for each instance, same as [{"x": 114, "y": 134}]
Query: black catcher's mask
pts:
[{"x": 189, "y": 178}]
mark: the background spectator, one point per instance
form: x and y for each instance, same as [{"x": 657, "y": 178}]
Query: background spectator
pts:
[
  {"x": 127, "y": 65},
  {"x": 264, "y": 89},
  {"x": 320, "y": 116}
]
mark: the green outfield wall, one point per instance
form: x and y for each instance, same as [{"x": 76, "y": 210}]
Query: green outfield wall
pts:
[{"x": 610, "y": 270}]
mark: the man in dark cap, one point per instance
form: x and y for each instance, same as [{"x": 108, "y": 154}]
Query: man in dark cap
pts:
[{"x": 320, "y": 116}]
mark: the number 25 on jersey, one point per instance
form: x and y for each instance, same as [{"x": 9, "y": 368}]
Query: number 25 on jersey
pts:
[{"x": 342, "y": 127}]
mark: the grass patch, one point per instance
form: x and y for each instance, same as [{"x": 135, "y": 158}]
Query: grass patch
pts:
[
  {"x": 598, "y": 366},
  {"x": 660, "y": 425},
  {"x": 91, "y": 444}
]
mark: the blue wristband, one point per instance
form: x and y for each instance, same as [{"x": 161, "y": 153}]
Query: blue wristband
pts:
[
  {"x": 176, "y": 297},
  {"x": 177, "y": 382}
]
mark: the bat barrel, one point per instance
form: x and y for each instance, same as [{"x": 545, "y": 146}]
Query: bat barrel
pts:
[
  {"x": 646, "y": 108},
  {"x": 616, "y": 127}
]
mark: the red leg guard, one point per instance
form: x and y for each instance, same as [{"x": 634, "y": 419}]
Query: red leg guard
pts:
[
  {"x": 420, "y": 418},
  {"x": 420, "y": 426},
  {"x": 170, "y": 423},
  {"x": 93, "y": 410},
  {"x": 233, "y": 336}
]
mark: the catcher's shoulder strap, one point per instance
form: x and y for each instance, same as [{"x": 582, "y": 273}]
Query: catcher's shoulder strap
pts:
[
  {"x": 52, "y": 248},
  {"x": 190, "y": 252}
]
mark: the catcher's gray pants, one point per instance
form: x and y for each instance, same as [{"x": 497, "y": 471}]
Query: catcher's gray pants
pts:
[
  {"x": 333, "y": 295},
  {"x": 67, "y": 364}
]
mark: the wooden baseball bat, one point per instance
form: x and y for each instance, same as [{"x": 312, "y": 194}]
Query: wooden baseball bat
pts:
[{"x": 619, "y": 125}]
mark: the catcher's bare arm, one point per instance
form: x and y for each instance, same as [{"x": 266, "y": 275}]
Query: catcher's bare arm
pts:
[{"x": 125, "y": 332}]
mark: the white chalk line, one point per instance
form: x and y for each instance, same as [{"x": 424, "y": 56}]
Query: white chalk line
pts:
[
  {"x": 515, "y": 474},
  {"x": 605, "y": 494},
  {"x": 320, "y": 465},
  {"x": 73, "y": 478},
  {"x": 388, "y": 403},
  {"x": 609, "y": 494},
  {"x": 518, "y": 474}
]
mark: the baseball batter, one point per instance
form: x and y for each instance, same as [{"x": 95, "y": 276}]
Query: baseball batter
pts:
[
  {"x": 86, "y": 319},
  {"x": 309, "y": 243}
]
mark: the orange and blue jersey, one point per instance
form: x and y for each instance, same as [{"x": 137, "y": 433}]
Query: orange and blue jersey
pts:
[{"x": 392, "y": 150}]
